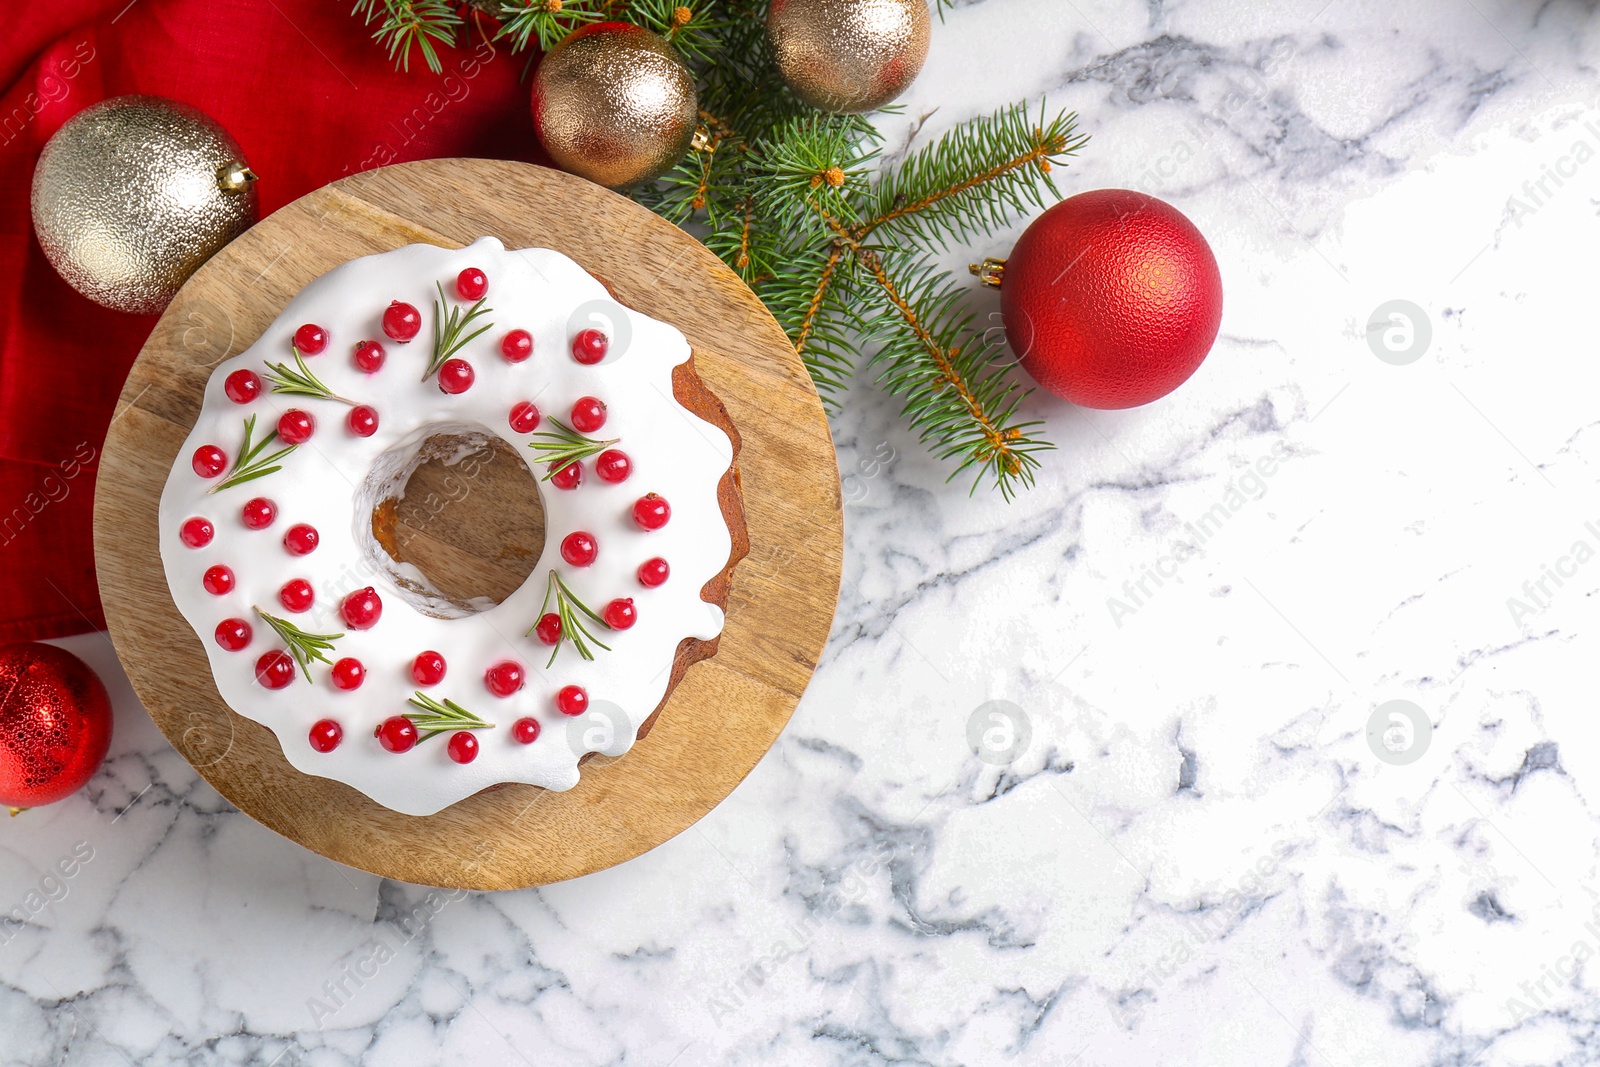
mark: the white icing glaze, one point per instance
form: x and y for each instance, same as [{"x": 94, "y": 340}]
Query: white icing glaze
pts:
[{"x": 333, "y": 481}]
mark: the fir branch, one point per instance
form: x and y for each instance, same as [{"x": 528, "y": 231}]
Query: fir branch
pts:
[
  {"x": 694, "y": 29},
  {"x": 809, "y": 298},
  {"x": 978, "y": 177},
  {"x": 448, "y": 328},
  {"x": 956, "y": 392},
  {"x": 304, "y": 647},
  {"x": 544, "y": 22},
  {"x": 442, "y": 718},
  {"x": 570, "y": 610},
  {"x": 565, "y": 445},
  {"x": 407, "y": 24},
  {"x": 250, "y": 464},
  {"x": 300, "y": 381}
]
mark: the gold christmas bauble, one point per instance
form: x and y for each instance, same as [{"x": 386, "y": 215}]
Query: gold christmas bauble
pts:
[
  {"x": 849, "y": 55},
  {"x": 614, "y": 103},
  {"x": 131, "y": 195}
]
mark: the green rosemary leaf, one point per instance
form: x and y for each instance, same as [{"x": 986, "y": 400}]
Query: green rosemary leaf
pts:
[
  {"x": 300, "y": 381},
  {"x": 250, "y": 465},
  {"x": 303, "y": 646},
  {"x": 442, "y": 718},
  {"x": 449, "y": 328},
  {"x": 564, "y": 446}
]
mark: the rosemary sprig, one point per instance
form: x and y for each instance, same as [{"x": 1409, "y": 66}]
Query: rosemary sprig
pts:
[
  {"x": 300, "y": 382},
  {"x": 447, "y": 329},
  {"x": 442, "y": 718},
  {"x": 250, "y": 463},
  {"x": 303, "y": 647},
  {"x": 565, "y": 446},
  {"x": 570, "y": 610}
]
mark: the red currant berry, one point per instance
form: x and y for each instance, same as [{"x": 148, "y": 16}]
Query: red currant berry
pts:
[
  {"x": 463, "y": 746},
  {"x": 572, "y": 700},
  {"x": 428, "y": 668},
  {"x": 275, "y": 669},
  {"x": 325, "y": 735},
  {"x": 259, "y": 513},
  {"x": 653, "y": 572},
  {"x": 368, "y": 356},
  {"x": 233, "y": 634},
  {"x": 620, "y": 614},
  {"x": 348, "y": 673},
  {"x": 472, "y": 283},
  {"x": 651, "y": 511},
  {"x": 401, "y": 322},
  {"x": 296, "y": 595},
  {"x": 209, "y": 461},
  {"x": 362, "y": 420},
  {"x": 568, "y": 477},
  {"x": 579, "y": 548},
  {"x": 526, "y": 731},
  {"x": 548, "y": 628},
  {"x": 589, "y": 347},
  {"x": 397, "y": 734},
  {"x": 242, "y": 386},
  {"x": 613, "y": 465},
  {"x": 504, "y": 679},
  {"x": 361, "y": 609},
  {"x": 197, "y": 532},
  {"x": 217, "y": 580},
  {"x": 310, "y": 339},
  {"x": 525, "y": 417},
  {"x": 295, "y": 427},
  {"x": 455, "y": 376},
  {"x": 301, "y": 540},
  {"x": 516, "y": 346},
  {"x": 588, "y": 414}
]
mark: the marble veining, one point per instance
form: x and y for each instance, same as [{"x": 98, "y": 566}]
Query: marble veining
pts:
[{"x": 1109, "y": 776}]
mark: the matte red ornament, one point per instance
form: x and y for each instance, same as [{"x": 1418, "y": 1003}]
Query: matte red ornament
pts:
[
  {"x": 55, "y": 724},
  {"x": 1111, "y": 299}
]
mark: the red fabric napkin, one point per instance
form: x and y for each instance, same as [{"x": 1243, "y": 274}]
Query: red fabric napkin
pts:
[{"x": 308, "y": 96}]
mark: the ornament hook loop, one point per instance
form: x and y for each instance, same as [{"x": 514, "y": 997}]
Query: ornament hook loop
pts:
[
  {"x": 991, "y": 272},
  {"x": 234, "y": 176}
]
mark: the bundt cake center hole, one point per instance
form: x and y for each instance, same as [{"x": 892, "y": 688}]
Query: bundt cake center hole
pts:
[{"x": 468, "y": 517}]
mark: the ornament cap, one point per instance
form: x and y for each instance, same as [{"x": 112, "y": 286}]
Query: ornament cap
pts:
[
  {"x": 991, "y": 272},
  {"x": 234, "y": 176}
]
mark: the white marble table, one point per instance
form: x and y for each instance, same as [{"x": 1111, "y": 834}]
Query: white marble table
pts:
[{"x": 1199, "y": 857}]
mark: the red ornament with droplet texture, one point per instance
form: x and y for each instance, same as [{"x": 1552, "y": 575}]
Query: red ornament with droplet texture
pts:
[
  {"x": 55, "y": 724},
  {"x": 1111, "y": 299}
]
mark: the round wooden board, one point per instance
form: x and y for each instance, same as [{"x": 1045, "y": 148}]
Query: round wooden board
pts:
[{"x": 726, "y": 712}]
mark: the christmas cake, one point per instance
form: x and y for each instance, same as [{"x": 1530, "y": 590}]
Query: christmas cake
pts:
[{"x": 276, "y": 523}]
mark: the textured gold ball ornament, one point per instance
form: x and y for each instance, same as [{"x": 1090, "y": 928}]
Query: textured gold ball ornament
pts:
[
  {"x": 849, "y": 55},
  {"x": 131, "y": 195},
  {"x": 614, "y": 103}
]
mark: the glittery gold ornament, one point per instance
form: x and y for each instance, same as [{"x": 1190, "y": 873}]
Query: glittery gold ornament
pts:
[
  {"x": 131, "y": 195},
  {"x": 614, "y": 103},
  {"x": 849, "y": 55}
]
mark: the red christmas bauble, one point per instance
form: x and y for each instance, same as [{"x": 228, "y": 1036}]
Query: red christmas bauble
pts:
[
  {"x": 1111, "y": 299},
  {"x": 55, "y": 724}
]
